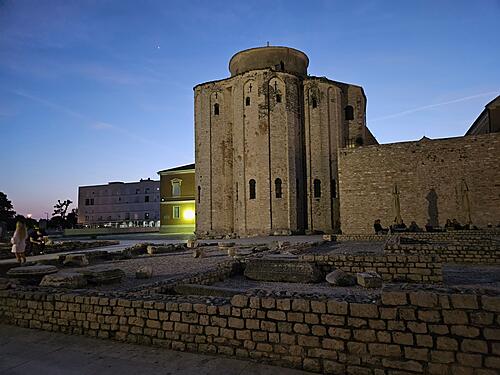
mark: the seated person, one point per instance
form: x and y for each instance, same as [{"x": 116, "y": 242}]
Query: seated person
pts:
[
  {"x": 37, "y": 242},
  {"x": 456, "y": 225},
  {"x": 401, "y": 227},
  {"x": 448, "y": 225},
  {"x": 414, "y": 227},
  {"x": 378, "y": 227}
]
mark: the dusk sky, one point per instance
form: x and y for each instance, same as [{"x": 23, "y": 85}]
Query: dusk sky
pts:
[{"x": 99, "y": 91}]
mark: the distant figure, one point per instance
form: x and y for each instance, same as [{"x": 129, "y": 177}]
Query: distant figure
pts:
[
  {"x": 36, "y": 241},
  {"x": 378, "y": 227},
  {"x": 414, "y": 227},
  {"x": 18, "y": 242}
]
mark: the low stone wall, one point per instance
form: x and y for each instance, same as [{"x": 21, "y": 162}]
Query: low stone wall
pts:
[
  {"x": 104, "y": 231},
  {"x": 406, "y": 331},
  {"x": 451, "y": 236},
  {"x": 414, "y": 268},
  {"x": 473, "y": 254}
]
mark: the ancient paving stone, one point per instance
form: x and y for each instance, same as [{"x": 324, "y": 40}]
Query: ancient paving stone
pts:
[
  {"x": 102, "y": 274},
  {"x": 282, "y": 271}
]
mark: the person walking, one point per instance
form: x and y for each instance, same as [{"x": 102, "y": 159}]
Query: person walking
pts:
[{"x": 18, "y": 242}]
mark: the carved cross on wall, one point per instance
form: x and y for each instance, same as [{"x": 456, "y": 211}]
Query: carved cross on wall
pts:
[{"x": 275, "y": 86}]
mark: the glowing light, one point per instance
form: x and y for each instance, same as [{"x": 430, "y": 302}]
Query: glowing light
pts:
[
  {"x": 188, "y": 214},
  {"x": 29, "y": 216}
]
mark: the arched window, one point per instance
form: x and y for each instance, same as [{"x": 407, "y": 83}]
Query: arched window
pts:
[
  {"x": 334, "y": 188},
  {"x": 216, "y": 109},
  {"x": 278, "y": 98},
  {"x": 349, "y": 112},
  {"x": 314, "y": 102},
  {"x": 199, "y": 194},
  {"x": 251, "y": 184},
  {"x": 247, "y": 101},
  {"x": 317, "y": 188},
  {"x": 277, "y": 188}
]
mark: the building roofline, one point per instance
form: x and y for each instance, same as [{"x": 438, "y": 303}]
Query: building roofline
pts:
[{"x": 186, "y": 167}]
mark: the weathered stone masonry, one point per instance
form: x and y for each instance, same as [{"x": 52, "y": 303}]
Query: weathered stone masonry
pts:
[
  {"x": 406, "y": 332},
  {"x": 430, "y": 175}
]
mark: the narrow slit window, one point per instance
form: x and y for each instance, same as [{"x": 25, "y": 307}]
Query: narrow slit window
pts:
[
  {"x": 334, "y": 188},
  {"x": 317, "y": 188},
  {"x": 216, "y": 109},
  {"x": 199, "y": 194},
  {"x": 278, "y": 98},
  {"x": 251, "y": 184},
  {"x": 349, "y": 112},
  {"x": 247, "y": 101},
  {"x": 314, "y": 102},
  {"x": 277, "y": 188},
  {"x": 282, "y": 66}
]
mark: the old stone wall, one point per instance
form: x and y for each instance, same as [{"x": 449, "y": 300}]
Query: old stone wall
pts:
[
  {"x": 406, "y": 331},
  {"x": 467, "y": 253},
  {"x": 436, "y": 179}
]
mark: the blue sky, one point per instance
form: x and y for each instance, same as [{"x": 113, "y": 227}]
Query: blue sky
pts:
[{"x": 93, "y": 91}]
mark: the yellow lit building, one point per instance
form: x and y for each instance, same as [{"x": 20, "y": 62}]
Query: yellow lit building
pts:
[{"x": 177, "y": 199}]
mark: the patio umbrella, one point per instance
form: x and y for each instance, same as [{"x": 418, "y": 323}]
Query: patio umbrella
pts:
[
  {"x": 396, "y": 205},
  {"x": 464, "y": 190}
]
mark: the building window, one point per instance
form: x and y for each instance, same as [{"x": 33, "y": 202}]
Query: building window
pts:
[
  {"x": 278, "y": 98},
  {"x": 91, "y": 201},
  {"x": 251, "y": 184},
  {"x": 137, "y": 191},
  {"x": 334, "y": 188},
  {"x": 216, "y": 109},
  {"x": 146, "y": 215},
  {"x": 349, "y": 112},
  {"x": 199, "y": 193},
  {"x": 317, "y": 188},
  {"x": 146, "y": 191},
  {"x": 314, "y": 102},
  {"x": 176, "y": 214},
  {"x": 176, "y": 187},
  {"x": 282, "y": 66},
  {"x": 87, "y": 202},
  {"x": 146, "y": 198},
  {"x": 247, "y": 101},
  {"x": 277, "y": 188}
]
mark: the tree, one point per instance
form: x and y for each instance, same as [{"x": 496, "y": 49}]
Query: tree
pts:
[
  {"x": 72, "y": 218},
  {"x": 6, "y": 209},
  {"x": 61, "y": 208}
]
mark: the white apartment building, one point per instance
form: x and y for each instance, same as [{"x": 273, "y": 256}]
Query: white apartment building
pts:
[{"x": 120, "y": 204}]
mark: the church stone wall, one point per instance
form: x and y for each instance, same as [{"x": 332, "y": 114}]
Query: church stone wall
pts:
[{"x": 430, "y": 176}]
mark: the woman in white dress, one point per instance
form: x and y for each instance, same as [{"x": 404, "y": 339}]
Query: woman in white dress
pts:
[{"x": 18, "y": 242}]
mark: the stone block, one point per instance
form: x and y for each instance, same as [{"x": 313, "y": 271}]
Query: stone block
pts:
[
  {"x": 281, "y": 270},
  {"x": 369, "y": 279},
  {"x": 70, "y": 280},
  {"x": 340, "y": 278},
  {"x": 78, "y": 260},
  {"x": 102, "y": 274},
  {"x": 144, "y": 272}
]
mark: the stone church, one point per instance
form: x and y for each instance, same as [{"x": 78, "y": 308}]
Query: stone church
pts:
[{"x": 270, "y": 141}]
